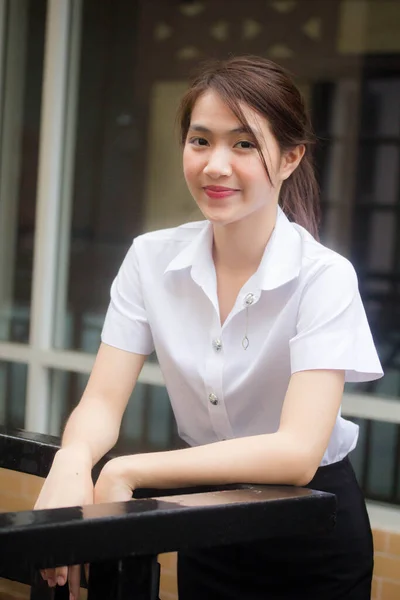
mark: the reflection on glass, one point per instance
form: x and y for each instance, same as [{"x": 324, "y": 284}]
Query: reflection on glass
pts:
[
  {"x": 13, "y": 378},
  {"x": 23, "y": 47},
  {"x": 374, "y": 459},
  {"x": 382, "y": 457},
  {"x": 110, "y": 155},
  {"x": 381, "y": 250},
  {"x": 382, "y": 113},
  {"x": 357, "y": 457},
  {"x": 148, "y": 423},
  {"x": 379, "y": 183}
]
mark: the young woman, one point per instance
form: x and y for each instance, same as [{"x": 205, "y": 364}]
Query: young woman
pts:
[{"x": 256, "y": 326}]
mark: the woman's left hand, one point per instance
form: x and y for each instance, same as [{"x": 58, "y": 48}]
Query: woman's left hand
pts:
[{"x": 115, "y": 482}]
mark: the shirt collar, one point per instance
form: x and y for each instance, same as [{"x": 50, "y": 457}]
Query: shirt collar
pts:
[
  {"x": 197, "y": 251},
  {"x": 280, "y": 263},
  {"x": 282, "y": 257}
]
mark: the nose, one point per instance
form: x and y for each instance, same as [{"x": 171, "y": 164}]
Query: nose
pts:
[{"x": 218, "y": 164}]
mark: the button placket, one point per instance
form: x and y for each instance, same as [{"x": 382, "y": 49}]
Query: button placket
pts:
[
  {"x": 213, "y": 398},
  {"x": 214, "y": 366},
  {"x": 249, "y": 299},
  {"x": 217, "y": 344}
]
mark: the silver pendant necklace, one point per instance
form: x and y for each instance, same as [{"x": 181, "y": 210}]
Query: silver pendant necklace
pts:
[{"x": 245, "y": 340}]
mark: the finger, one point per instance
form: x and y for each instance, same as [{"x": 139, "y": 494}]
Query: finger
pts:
[
  {"x": 51, "y": 577},
  {"x": 61, "y": 575},
  {"x": 87, "y": 568},
  {"x": 74, "y": 580},
  {"x": 43, "y": 573}
]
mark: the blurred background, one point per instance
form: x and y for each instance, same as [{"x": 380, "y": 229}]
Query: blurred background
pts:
[{"x": 89, "y": 158}]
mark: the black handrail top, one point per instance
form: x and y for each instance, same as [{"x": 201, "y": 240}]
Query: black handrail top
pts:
[{"x": 65, "y": 536}]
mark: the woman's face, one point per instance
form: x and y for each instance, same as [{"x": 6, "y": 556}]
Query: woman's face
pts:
[{"x": 222, "y": 167}]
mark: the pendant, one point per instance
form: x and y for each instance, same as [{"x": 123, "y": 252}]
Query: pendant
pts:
[{"x": 245, "y": 342}]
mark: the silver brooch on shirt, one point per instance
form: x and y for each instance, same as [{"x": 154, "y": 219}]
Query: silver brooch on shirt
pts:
[{"x": 248, "y": 301}]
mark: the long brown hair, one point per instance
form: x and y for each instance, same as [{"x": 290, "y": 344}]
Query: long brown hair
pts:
[{"x": 268, "y": 89}]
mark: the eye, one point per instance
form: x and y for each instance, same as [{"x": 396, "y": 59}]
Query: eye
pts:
[
  {"x": 198, "y": 141},
  {"x": 245, "y": 145}
]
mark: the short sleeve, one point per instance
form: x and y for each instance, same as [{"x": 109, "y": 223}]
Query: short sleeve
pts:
[
  {"x": 332, "y": 327},
  {"x": 126, "y": 326}
]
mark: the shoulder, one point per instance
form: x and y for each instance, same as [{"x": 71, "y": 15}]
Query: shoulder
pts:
[{"x": 319, "y": 262}]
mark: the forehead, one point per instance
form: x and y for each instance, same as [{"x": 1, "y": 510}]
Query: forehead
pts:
[{"x": 212, "y": 112}]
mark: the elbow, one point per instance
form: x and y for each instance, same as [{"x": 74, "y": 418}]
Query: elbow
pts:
[
  {"x": 304, "y": 477},
  {"x": 301, "y": 461},
  {"x": 305, "y": 470}
]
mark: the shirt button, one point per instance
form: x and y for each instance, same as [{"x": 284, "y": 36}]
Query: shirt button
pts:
[
  {"x": 217, "y": 345},
  {"x": 249, "y": 299},
  {"x": 213, "y": 399}
]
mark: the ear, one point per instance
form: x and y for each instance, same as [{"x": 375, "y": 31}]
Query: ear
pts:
[{"x": 290, "y": 160}]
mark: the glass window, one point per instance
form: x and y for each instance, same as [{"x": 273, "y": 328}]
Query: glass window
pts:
[
  {"x": 107, "y": 199},
  {"x": 358, "y": 455},
  {"x": 375, "y": 459},
  {"x": 22, "y": 47},
  {"x": 381, "y": 478},
  {"x": 382, "y": 107},
  {"x": 13, "y": 378}
]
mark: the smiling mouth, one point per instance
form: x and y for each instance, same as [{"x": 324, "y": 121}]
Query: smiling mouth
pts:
[
  {"x": 219, "y": 188},
  {"x": 218, "y": 192}
]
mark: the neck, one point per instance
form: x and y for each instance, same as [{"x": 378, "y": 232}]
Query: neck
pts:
[{"x": 239, "y": 246}]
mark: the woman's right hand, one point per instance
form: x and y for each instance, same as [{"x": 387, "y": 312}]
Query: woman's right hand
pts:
[{"x": 69, "y": 483}]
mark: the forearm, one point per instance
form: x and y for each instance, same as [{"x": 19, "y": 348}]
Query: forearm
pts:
[
  {"x": 91, "y": 431},
  {"x": 267, "y": 459}
]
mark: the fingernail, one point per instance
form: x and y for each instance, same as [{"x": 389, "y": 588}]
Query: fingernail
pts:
[
  {"x": 60, "y": 580},
  {"x": 71, "y": 596},
  {"x": 51, "y": 582}
]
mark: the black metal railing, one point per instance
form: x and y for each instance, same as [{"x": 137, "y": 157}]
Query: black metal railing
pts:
[{"x": 121, "y": 540}]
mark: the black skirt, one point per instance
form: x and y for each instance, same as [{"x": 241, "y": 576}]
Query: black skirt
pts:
[{"x": 337, "y": 566}]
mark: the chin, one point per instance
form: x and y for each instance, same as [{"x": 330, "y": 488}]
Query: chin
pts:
[
  {"x": 217, "y": 214},
  {"x": 222, "y": 220}
]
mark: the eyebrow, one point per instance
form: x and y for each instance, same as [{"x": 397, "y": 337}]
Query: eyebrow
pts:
[{"x": 202, "y": 129}]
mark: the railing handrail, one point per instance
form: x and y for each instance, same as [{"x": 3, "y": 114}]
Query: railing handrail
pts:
[
  {"x": 32, "y": 453},
  {"x": 76, "y": 535},
  {"x": 167, "y": 521}
]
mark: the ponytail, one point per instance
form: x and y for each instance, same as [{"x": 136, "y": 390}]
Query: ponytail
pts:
[{"x": 299, "y": 196}]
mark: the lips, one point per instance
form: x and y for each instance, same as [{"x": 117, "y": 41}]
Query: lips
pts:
[
  {"x": 219, "y": 191},
  {"x": 219, "y": 188}
]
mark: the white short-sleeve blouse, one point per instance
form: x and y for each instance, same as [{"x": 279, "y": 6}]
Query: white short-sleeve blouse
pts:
[{"x": 301, "y": 310}]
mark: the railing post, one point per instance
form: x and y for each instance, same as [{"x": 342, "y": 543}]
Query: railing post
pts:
[{"x": 133, "y": 578}]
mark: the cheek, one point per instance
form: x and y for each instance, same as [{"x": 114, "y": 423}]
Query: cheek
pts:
[
  {"x": 256, "y": 176},
  {"x": 190, "y": 164}
]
